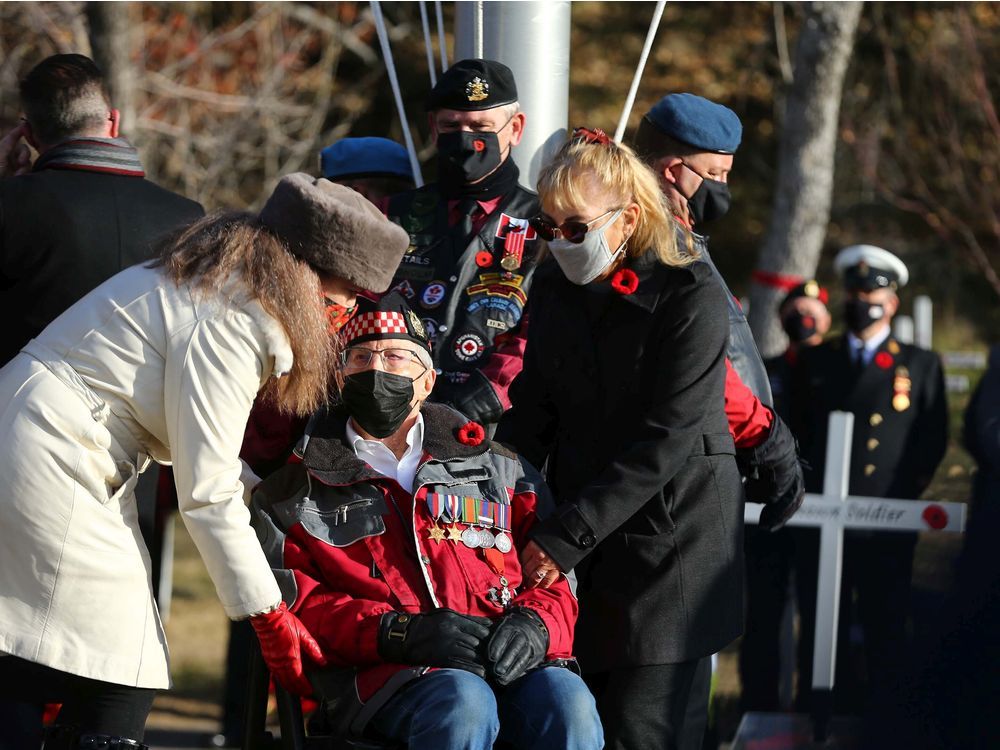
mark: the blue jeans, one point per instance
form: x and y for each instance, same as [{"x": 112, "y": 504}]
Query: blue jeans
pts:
[{"x": 547, "y": 709}]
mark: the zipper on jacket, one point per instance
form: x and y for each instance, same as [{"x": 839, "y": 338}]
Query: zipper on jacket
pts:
[{"x": 339, "y": 513}]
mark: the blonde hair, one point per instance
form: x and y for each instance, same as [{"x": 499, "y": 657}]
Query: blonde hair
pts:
[
  {"x": 206, "y": 254},
  {"x": 623, "y": 176}
]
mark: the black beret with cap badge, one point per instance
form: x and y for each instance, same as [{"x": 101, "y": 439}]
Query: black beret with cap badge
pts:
[{"x": 472, "y": 86}]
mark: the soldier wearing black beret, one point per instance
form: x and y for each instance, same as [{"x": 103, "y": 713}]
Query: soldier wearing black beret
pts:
[
  {"x": 472, "y": 255},
  {"x": 896, "y": 393}
]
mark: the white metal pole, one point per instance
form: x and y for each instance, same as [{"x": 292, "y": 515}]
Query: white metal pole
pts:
[
  {"x": 390, "y": 67},
  {"x": 630, "y": 99},
  {"x": 428, "y": 43},
  {"x": 441, "y": 43},
  {"x": 532, "y": 39},
  {"x": 902, "y": 328},
  {"x": 923, "y": 321}
]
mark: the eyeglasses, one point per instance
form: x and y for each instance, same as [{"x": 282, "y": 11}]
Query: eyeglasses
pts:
[
  {"x": 393, "y": 360},
  {"x": 571, "y": 231}
]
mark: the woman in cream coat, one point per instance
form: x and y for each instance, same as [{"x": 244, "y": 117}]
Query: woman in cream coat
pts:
[{"x": 162, "y": 363}]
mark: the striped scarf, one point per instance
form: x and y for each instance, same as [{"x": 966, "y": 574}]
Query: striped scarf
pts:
[{"x": 108, "y": 155}]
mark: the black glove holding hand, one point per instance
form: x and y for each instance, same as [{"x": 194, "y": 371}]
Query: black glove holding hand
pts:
[
  {"x": 774, "y": 476},
  {"x": 519, "y": 643},
  {"x": 442, "y": 638},
  {"x": 475, "y": 398}
]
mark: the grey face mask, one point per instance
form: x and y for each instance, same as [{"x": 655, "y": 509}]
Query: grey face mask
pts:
[{"x": 582, "y": 262}]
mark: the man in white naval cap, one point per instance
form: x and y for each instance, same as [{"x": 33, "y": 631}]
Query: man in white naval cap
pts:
[{"x": 896, "y": 393}]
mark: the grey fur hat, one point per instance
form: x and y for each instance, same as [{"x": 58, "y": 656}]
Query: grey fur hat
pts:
[{"x": 336, "y": 230}]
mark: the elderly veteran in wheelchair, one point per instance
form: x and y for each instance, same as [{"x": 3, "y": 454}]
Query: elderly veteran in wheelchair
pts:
[{"x": 396, "y": 542}]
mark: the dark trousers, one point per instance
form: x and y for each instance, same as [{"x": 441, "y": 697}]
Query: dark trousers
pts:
[
  {"x": 90, "y": 706},
  {"x": 874, "y": 593},
  {"x": 661, "y": 707},
  {"x": 769, "y": 562}
]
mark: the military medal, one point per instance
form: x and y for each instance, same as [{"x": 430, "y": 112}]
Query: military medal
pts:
[
  {"x": 486, "y": 539},
  {"x": 901, "y": 385},
  {"x": 454, "y": 533},
  {"x": 436, "y": 533},
  {"x": 470, "y": 538},
  {"x": 513, "y": 249},
  {"x": 503, "y": 542}
]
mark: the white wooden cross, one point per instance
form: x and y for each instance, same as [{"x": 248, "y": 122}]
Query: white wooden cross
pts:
[{"x": 834, "y": 511}]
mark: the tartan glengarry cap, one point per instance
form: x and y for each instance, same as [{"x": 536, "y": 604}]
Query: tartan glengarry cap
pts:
[
  {"x": 365, "y": 157},
  {"x": 868, "y": 268},
  {"x": 473, "y": 85},
  {"x": 336, "y": 230},
  {"x": 389, "y": 318},
  {"x": 698, "y": 122}
]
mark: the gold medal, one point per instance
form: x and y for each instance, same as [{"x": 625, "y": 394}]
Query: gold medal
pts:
[
  {"x": 436, "y": 533},
  {"x": 900, "y": 402},
  {"x": 510, "y": 262},
  {"x": 454, "y": 533}
]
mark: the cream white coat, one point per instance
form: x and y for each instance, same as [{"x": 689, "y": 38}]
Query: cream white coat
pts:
[{"x": 137, "y": 369}]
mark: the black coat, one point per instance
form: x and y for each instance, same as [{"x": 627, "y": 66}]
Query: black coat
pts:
[
  {"x": 895, "y": 449},
  {"x": 64, "y": 232},
  {"x": 622, "y": 396}
]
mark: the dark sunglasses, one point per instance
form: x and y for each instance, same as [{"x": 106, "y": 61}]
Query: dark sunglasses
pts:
[{"x": 571, "y": 231}]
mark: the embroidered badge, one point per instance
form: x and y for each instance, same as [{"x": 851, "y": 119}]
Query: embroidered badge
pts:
[
  {"x": 469, "y": 347},
  {"x": 477, "y": 89},
  {"x": 433, "y": 294}
]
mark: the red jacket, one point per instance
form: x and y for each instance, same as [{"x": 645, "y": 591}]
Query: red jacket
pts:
[{"x": 355, "y": 545}]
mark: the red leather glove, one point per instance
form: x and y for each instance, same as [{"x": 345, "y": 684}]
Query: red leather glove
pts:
[{"x": 283, "y": 640}]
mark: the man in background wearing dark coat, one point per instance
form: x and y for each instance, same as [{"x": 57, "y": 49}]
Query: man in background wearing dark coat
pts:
[
  {"x": 83, "y": 212},
  {"x": 896, "y": 393}
]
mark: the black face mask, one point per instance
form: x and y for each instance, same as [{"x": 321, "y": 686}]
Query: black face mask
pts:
[
  {"x": 799, "y": 327},
  {"x": 378, "y": 401},
  {"x": 710, "y": 201},
  {"x": 859, "y": 314},
  {"x": 465, "y": 157}
]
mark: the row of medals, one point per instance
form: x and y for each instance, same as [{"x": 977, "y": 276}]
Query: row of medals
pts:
[{"x": 472, "y": 537}]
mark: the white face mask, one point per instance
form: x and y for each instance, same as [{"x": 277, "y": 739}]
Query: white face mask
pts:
[{"x": 583, "y": 262}]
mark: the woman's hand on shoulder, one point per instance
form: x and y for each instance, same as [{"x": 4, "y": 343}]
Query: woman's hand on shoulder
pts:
[{"x": 539, "y": 570}]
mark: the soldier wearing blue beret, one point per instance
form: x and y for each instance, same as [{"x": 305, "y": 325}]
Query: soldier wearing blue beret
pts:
[{"x": 375, "y": 167}]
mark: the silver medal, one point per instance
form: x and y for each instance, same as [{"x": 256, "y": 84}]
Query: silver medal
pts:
[
  {"x": 470, "y": 538},
  {"x": 486, "y": 539},
  {"x": 503, "y": 542}
]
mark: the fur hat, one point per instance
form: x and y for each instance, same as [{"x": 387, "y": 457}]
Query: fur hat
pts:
[{"x": 336, "y": 230}]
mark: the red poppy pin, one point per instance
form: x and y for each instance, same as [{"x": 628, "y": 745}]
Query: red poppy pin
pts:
[
  {"x": 935, "y": 516},
  {"x": 883, "y": 360},
  {"x": 484, "y": 259},
  {"x": 471, "y": 433},
  {"x": 625, "y": 281}
]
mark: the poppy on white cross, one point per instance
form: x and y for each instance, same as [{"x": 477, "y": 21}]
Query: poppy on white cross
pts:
[{"x": 834, "y": 511}]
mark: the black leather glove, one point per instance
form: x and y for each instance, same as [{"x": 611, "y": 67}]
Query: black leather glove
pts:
[
  {"x": 774, "y": 476},
  {"x": 475, "y": 398},
  {"x": 519, "y": 643},
  {"x": 442, "y": 638}
]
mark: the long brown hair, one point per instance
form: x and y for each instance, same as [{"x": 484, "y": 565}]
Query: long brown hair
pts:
[
  {"x": 625, "y": 178},
  {"x": 207, "y": 254}
]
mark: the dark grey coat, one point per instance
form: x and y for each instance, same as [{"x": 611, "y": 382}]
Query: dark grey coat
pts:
[
  {"x": 622, "y": 396},
  {"x": 64, "y": 232}
]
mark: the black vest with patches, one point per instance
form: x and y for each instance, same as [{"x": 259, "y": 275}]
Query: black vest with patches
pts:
[{"x": 465, "y": 299}]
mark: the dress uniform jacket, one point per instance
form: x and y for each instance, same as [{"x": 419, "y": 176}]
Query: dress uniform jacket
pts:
[
  {"x": 138, "y": 368},
  {"x": 471, "y": 306},
  {"x": 64, "y": 232},
  {"x": 900, "y": 435},
  {"x": 350, "y": 544},
  {"x": 900, "y": 415},
  {"x": 622, "y": 396}
]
